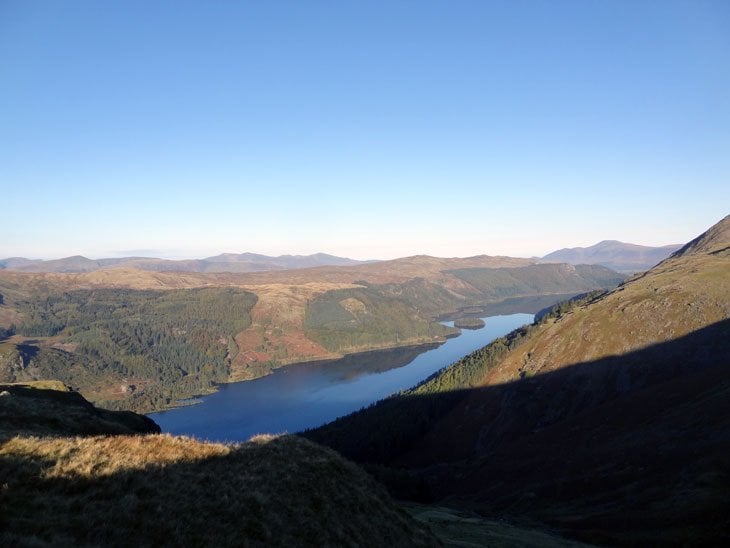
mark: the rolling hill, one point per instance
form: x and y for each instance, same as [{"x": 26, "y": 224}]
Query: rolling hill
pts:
[
  {"x": 607, "y": 419},
  {"x": 618, "y": 256}
]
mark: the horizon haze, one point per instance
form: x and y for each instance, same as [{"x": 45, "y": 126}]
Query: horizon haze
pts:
[{"x": 376, "y": 131}]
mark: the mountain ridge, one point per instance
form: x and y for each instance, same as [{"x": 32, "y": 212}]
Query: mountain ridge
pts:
[
  {"x": 616, "y": 255},
  {"x": 225, "y": 262}
]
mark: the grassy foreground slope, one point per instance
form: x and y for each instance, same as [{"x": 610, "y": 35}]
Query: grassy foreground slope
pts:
[
  {"x": 609, "y": 420},
  {"x": 74, "y": 475}
]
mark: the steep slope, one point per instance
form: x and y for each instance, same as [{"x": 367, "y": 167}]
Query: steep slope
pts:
[
  {"x": 86, "y": 482},
  {"x": 609, "y": 420},
  {"x": 618, "y": 256}
]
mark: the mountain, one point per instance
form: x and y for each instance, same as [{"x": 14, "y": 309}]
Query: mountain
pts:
[
  {"x": 615, "y": 255},
  {"x": 227, "y": 262},
  {"x": 608, "y": 419}
]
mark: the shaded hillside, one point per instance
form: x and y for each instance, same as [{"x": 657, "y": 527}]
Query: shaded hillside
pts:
[
  {"x": 609, "y": 420},
  {"x": 618, "y": 256},
  {"x": 51, "y": 409},
  {"x": 152, "y": 490}
]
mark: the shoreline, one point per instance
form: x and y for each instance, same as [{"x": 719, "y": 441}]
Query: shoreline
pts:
[{"x": 196, "y": 399}]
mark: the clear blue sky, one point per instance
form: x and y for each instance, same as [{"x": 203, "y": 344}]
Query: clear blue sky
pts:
[{"x": 364, "y": 129}]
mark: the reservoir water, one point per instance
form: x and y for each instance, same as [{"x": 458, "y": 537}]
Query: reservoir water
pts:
[{"x": 310, "y": 394}]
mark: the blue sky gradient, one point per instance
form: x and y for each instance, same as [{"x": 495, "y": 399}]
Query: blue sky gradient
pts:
[{"x": 363, "y": 129}]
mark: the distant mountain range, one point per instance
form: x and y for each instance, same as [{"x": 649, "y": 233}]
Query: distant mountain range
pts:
[
  {"x": 226, "y": 262},
  {"x": 618, "y": 256}
]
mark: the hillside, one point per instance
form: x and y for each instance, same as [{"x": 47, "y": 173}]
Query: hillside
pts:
[
  {"x": 77, "y": 475},
  {"x": 88, "y": 481},
  {"x": 140, "y": 340},
  {"x": 618, "y": 256},
  {"x": 608, "y": 419}
]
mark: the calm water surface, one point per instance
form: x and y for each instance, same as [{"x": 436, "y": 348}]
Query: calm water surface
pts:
[{"x": 310, "y": 394}]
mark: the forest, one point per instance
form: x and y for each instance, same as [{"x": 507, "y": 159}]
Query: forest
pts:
[
  {"x": 157, "y": 346},
  {"x": 368, "y": 317}
]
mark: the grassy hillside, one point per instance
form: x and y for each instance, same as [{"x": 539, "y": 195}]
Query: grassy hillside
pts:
[
  {"x": 87, "y": 482},
  {"x": 608, "y": 419},
  {"x": 161, "y": 490},
  {"x": 495, "y": 284}
]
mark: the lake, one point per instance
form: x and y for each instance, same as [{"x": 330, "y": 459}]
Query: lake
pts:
[{"x": 306, "y": 395}]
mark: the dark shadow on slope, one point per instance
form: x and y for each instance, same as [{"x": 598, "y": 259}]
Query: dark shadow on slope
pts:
[
  {"x": 27, "y": 409},
  {"x": 626, "y": 449}
]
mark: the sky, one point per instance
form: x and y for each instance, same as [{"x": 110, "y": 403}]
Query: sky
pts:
[{"x": 370, "y": 130}]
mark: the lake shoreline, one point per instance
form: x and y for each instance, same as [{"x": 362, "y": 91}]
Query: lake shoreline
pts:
[{"x": 305, "y": 395}]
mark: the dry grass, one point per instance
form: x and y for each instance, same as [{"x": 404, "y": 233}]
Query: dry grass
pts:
[
  {"x": 164, "y": 490},
  {"x": 71, "y": 475}
]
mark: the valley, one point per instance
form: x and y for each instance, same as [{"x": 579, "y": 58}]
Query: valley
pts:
[
  {"x": 143, "y": 340},
  {"x": 348, "y": 274},
  {"x": 603, "y": 421}
]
